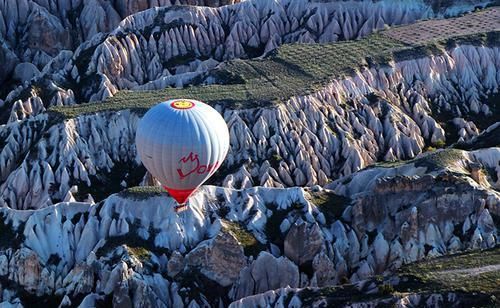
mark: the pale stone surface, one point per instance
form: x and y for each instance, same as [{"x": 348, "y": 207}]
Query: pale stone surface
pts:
[
  {"x": 219, "y": 259},
  {"x": 25, "y": 71},
  {"x": 303, "y": 243}
]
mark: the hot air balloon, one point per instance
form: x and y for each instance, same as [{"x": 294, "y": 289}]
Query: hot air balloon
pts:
[{"x": 182, "y": 142}]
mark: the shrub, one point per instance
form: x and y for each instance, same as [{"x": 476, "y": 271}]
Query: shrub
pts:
[{"x": 386, "y": 289}]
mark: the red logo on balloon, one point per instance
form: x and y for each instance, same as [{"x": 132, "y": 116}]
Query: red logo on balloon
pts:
[{"x": 198, "y": 168}]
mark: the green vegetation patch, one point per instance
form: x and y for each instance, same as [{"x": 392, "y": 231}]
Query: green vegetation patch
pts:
[
  {"x": 193, "y": 284},
  {"x": 295, "y": 69},
  {"x": 421, "y": 32},
  {"x": 439, "y": 159},
  {"x": 140, "y": 101},
  {"x": 435, "y": 276},
  {"x": 140, "y": 252},
  {"x": 433, "y": 161},
  {"x": 134, "y": 244},
  {"x": 131, "y": 245},
  {"x": 290, "y": 70},
  {"x": 105, "y": 183},
  {"x": 142, "y": 192},
  {"x": 251, "y": 246},
  {"x": 459, "y": 261},
  {"x": 335, "y": 296},
  {"x": 10, "y": 237},
  {"x": 330, "y": 204},
  {"x": 477, "y": 271},
  {"x": 272, "y": 228}
]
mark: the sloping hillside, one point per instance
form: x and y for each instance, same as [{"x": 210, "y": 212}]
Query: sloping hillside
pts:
[{"x": 363, "y": 170}]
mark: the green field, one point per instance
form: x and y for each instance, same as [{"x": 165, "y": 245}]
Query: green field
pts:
[
  {"x": 435, "y": 160},
  {"x": 290, "y": 70},
  {"x": 473, "y": 276},
  {"x": 477, "y": 271}
]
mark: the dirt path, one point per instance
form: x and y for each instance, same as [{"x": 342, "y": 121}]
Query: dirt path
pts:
[{"x": 471, "y": 271}]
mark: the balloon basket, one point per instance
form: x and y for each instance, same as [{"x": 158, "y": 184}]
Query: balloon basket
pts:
[{"x": 180, "y": 208}]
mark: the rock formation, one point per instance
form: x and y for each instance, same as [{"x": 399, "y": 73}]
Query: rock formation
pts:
[
  {"x": 397, "y": 123},
  {"x": 325, "y": 196},
  {"x": 170, "y": 46},
  {"x": 395, "y": 215}
]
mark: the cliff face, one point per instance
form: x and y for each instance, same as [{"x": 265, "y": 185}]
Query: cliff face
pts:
[{"x": 132, "y": 246}]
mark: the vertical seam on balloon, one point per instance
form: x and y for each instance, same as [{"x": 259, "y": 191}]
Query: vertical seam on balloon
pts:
[
  {"x": 193, "y": 117},
  {"x": 150, "y": 141},
  {"x": 162, "y": 143},
  {"x": 222, "y": 154},
  {"x": 175, "y": 144},
  {"x": 208, "y": 141},
  {"x": 192, "y": 142},
  {"x": 155, "y": 126}
]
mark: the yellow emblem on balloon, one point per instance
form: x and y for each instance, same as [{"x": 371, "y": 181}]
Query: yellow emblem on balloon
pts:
[{"x": 182, "y": 104}]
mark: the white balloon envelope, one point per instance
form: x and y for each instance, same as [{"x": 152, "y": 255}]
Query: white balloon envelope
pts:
[{"x": 182, "y": 142}]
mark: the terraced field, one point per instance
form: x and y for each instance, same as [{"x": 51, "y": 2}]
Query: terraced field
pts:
[
  {"x": 298, "y": 69},
  {"x": 421, "y": 33}
]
